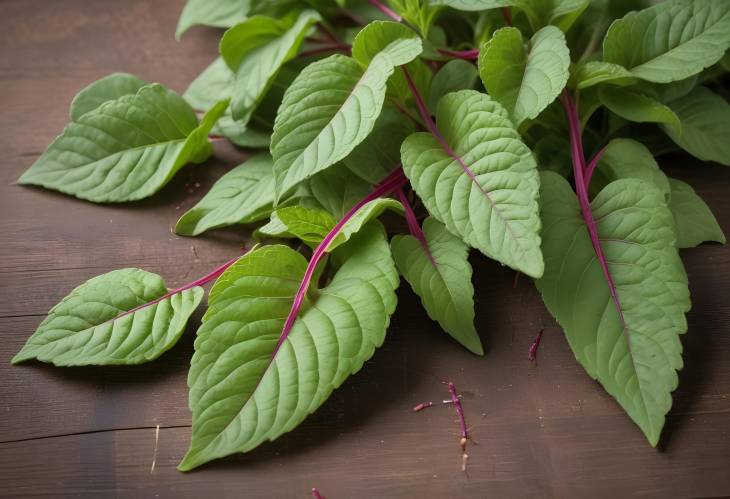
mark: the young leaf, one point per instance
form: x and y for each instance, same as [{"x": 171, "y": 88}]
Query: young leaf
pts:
[
  {"x": 560, "y": 13},
  {"x": 216, "y": 13},
  {"x": 105, "y": 89},
  {"x": 705, "y": 118},
  {"x": 479, "y": 179},
  {"x": 336, "y": 190},
  {"x": 441, "y": 276},
  {"x": 474, "y": 5},
  {"x": 693, "y": 218},
  {"x": 330, "y": 108},
  {"x": 243, "y": 195},
  {"x": 311, "y": 225},
  {"x": 126, "y": 149},
  {"x": 633, "y": 105},
  {"x": 670, "y": 41},
  {"x": 525, "y": 82},
  {"x": 245, "y": 388},
  {"x": 588, "y": 74},
  {"x": 255, "y": 50},
  {"x": 125, "y": 316},
  {"x": 453, "y": 76},
  {"x": 630, "y": 344}
]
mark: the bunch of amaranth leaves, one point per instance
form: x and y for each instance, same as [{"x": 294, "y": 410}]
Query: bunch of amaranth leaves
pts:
[{"x": 527, "y": 129}]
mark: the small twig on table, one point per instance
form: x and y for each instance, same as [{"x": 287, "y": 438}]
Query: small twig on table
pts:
[
  {"x": 532, "y": 355},
  {"x": 154, "y": 452}
]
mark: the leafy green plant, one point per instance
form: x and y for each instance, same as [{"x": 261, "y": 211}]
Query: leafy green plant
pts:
[{"x": 505, "y": 122}]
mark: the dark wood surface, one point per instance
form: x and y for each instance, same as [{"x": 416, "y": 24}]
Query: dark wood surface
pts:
[{"x": 543, "y": 429}]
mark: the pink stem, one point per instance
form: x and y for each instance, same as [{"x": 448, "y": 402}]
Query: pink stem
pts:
[
  {"x": 198, "y": 282},
  {"x": 405, "y": 112},
  {"x": 507, "y": 15},
  {"x": 459, "y": 410},
  {"x": 316, "y": 494},
  {"x": 411, "y": 219},
  {"x": 590, "y": 168},
  {"x": 467, "y": 55},
  {"x": 327, "y": 33},
  {"x": 391, "y": 183},
  {"x": 386, "y": 10},
  {"x": 325, "y": 48},
  {"x": 532, "y": 355},
  {"x": 581, "y": 188}
]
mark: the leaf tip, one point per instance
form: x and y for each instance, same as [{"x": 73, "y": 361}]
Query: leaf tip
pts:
[{"x": 22, "y": 356}]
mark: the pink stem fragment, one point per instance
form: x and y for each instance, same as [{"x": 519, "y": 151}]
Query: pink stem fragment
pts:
[{"x": 532, "y": 355}]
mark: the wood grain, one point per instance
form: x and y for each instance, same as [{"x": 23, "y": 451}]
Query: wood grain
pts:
[{"x": 543, "y": 429}]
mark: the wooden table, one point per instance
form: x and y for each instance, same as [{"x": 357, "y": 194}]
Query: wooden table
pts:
[{"x": 543, "y": 429}]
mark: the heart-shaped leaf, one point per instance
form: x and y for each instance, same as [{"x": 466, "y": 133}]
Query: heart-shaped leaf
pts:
[
  {"x": 245, "y": 387},
  {"x": 479, "y": 179},
  {"x": 631, "y": 343},
  {"x": 525, "y": 82},
  {"x": 125, "y": 316},
  {"x": 331, "y": 107},
  {"x": 670, "y": 41},
  {"x": 440, "y": 275},
  {"x": 126, "y": 149}
]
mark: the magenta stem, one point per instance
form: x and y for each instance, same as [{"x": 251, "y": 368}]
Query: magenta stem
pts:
[
  {"x": 198, "y": 282},
  {"x": 467, "y": 55},
  {"x": 328, "y": 34},
  {"x": 392, "y": 182},
  {"x": 386, "y": 10},
  {"x": 507, "y": 15},
  {"x": 591, "y": 166},
  {"x": 326, "y": 48},
  {"x": 413, "y": 226},
  {"x": 581, "y": 187},
  {"x": 459, "y": 409},
  {"x": 532, "y": 355},
  {"x": 316, "y": 494}
]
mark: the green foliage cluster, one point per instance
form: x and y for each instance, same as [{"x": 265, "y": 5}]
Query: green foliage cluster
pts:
[{"x": 525, "y": 129}]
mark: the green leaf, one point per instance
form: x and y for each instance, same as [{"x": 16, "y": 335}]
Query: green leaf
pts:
[
  {"x": 453, "y": 76},
  {"x": 525, "y": 82},
  {"x": 337, "y": 190},
  {"x": 441, "y": 277},
  {"x": 670, "y": 41},
  {"x": 255, "y": 50},
  {"x": 588, "y": 74},
  {"x": 474, "y": 5},
  {"x": 108, "y": 88},
  {"x": 215, "y": 83},
  {"x": 243, "y": 390},
  {"x": 693, "y": 218},
  {"x": 634, "y": 353},
  {"x": 243, "y": 195},
  {"x": 481, "y": 182},
  {"x": 633, "y": 105},
  {"x": 127, "y": 149},
  {"x": 627, "y": 158},
  {"x": 379, "y": 153},
  {"x": 312, "y": 225},
  {"x": 330, "y": 108},
  {"x": 125, "y": 316},
  {"x": 705, "y": 118},
  {"x": 215, "y": 13},
  {"x": 559, "y": 13}
]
